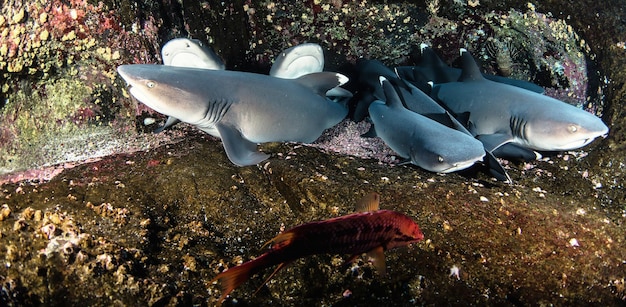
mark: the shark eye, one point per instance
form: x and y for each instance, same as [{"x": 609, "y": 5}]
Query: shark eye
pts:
[
  {"x": 440, "y": 159},
  {"x": 572, "y": 128},
  {"x": 150, "y": 84}
]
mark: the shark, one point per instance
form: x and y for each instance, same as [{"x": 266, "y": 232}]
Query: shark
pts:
[
  {"x": 498, "y": 113},
  {"x": 432, "y": 69},
  {"x": 423, "y": 141},
  {"x": 303, "y": 59},
  {"x": 186, "y": 52},
  {"x": 298, "y": 60},
  {"x": 243, "y": 108},
  {"x": 417, "y": 101}
]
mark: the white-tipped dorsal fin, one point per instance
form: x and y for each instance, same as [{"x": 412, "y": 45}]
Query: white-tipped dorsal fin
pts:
[
  {"x": 391, "y": 96},
  {"x": 470, "y": 70}
]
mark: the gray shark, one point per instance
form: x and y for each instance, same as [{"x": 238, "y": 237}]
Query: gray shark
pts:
[
  {"x": 244, "y": 108},
  {"x": 425, "y": 142},
  {"x": 417, "y": 101},
  {"x": 297, "y": 61},
  {"x": 498, "y": 113},
  {"x": 303, "y": 59},
  {"x": 432, "y": 69},
  {"x": 185, "y": 52}
]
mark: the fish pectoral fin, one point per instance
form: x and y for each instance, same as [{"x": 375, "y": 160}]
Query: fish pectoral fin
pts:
[
  {"x": 492, "y": 141},
  {"x": 321, "y": 82},
  {"x": 369, "y": 202},
  {"x": 171, "y": 121},
  {"x": 282, "y": 239},
  {"x": 239, "y": 150},
  {"x": 378, "y": 258}
]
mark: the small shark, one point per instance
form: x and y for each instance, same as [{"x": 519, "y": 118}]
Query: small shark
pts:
[
  {"x": 185, "y": 52},
  {"x": 244, "y": 108},
  {"x": 425, "y": 142},
  {"x": 297, "y": 61},
  {"x": 498, "y": 113},
  {"x": 417, "y": 101}
]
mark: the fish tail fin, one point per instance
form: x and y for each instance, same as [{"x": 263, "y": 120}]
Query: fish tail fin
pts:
[{"x": 234, "y": 277}]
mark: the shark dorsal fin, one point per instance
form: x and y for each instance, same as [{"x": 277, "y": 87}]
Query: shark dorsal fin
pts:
[
  {"x": 429, "y": 58},
  {"x": 369, "y": 202},
  {"x": 321, "y": 82},
  {"x": 470, "y": 70},
  {"x": 391, "y": 96}
]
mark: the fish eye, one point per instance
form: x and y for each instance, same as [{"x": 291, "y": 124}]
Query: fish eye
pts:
[
  {"x": 440, "y": 159},
  {"x": 572, "y": 128},
  {"x": 150, "y": 84}
]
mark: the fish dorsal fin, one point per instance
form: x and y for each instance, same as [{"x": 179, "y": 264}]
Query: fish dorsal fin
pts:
[
  {"x": 470, "y": 70},
  {"x": 321, "y": 82},
  {"x": 391, "y": 96},
  {"x": 369, "y": 202}
]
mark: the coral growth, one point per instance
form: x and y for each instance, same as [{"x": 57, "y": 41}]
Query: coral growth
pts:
[{"x": 57, "y": 68}]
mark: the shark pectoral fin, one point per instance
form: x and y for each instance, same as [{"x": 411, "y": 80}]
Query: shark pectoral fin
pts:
[
  {"x": 492, "y": 141},
  {"x": 239, "y": 150},
  {"x": 404, "y": 161},
  {"x": 338, "y": 92},
  {"x": 513, "y": 151},
  {"x": 378, "y": 258},
  {"x": 171, "y": 121},
  {"x": 495, "y": 168},
  {"x": 370, "y": 133},
  {"x": 321, "y": 82}
]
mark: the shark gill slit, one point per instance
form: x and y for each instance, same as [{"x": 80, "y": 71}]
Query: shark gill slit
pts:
[
  {"x": 217, "y": 109},
  {"x": 518, "y": 127}
]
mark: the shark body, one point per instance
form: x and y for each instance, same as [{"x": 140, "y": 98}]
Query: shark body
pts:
[
  {"x": 498, "y": 113},
  {"x": 425, "y": 142},
  {"x": 244, "y": 108}
]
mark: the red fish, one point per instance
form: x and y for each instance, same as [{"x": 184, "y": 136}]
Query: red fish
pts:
[{"x": 372, "y": 232}]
